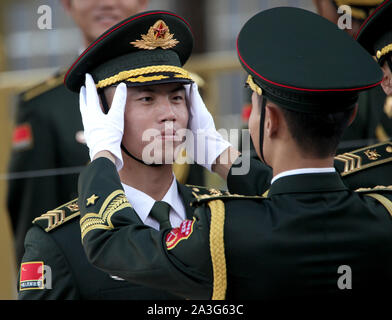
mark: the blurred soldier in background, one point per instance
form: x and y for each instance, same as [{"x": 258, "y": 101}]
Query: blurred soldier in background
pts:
[
  {"x": 48, "y": 136},
  {"x": 372, "y": 123}
]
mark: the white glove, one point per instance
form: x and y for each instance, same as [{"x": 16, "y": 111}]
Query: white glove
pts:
[
  {"x": 103, "y": 131},
  {"x": 208, "y": 143}
]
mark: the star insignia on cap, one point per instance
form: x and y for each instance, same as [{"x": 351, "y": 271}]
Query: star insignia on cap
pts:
[
  {"x": 91, "y": 200},
  {"x": 157, "y": 36}
]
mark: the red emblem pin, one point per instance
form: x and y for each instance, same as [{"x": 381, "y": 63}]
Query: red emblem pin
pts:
[
  {"x": 177, "y": 234},
  {"x": 22, "y": 137},
  {"x": 32, "y": 275}
]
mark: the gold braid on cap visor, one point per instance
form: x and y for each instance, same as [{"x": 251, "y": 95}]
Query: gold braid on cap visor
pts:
[
  {"x": 254, "y": 86},
  {"x": 384, "y": 51},
  {"x": 138, "y": 75}
]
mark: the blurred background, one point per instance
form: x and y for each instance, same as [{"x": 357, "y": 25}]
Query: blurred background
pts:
[{"x": 29, "y": 55}]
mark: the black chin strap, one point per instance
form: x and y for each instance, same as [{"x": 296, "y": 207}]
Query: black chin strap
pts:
[
  {"x": 263, "y": 103},
  {"x": 106, "y": 110}
]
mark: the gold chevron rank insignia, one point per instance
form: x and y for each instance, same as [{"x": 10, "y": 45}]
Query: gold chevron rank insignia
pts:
[
  {"x": 363, "y": 158},
  {"x": 157, "y": 36},
  {"x": 56, "y": 217}
]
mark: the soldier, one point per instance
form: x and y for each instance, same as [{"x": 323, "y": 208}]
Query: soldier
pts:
[
  {"x": 371, "y": 123},
  {"x": 294, "y": 241},
  {"x": 48, "y": 133},
  {"x": 156, "y": 100},
  {"x": 375, "y": 35}
]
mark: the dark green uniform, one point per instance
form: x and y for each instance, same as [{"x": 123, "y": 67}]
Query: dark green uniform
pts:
[
  {"x": 288, "y": 244},
  {"x": 48, "y": 136},
  {"x": 55, "y": 241},
  {"x": 367, "y": 167}
]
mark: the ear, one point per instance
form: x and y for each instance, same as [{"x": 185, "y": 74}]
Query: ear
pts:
[
  {"x": 273, "y": 118},
  {"x": 353, "y": 115}
]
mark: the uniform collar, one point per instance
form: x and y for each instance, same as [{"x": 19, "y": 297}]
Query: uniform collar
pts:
[
  {"x": 303, "y": 171},
  {"x": 307, "y": 183},
  {"x": 142, "y": 202}
]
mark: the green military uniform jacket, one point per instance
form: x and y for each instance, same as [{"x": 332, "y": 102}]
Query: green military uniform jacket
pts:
[
  {"x": 289, "y": 244},
  {"x": 48, "y": 135},
  {"x": 366, "y": 167},
  {"x": 55, "y": 241}
]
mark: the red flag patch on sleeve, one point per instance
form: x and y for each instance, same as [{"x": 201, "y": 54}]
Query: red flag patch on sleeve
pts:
[
  {"x": 177, "y": 234},
  {"x": 22, "y": 136},
  {"x": 31, "y": 275}
]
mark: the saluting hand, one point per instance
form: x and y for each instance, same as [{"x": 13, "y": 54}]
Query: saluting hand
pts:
[
  {"x": 208, "y": 143},
  {"x": 103, "y": 132}
]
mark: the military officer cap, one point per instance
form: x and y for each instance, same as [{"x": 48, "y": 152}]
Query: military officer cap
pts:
[
  {"x": 303, "y": 62},
  {"x": 375, "y": 34},
  {"x": 360, "y": 9},
  {"x": 148, "y": 48}
]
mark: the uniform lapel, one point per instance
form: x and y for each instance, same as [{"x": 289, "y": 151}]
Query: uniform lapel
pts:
[{"x": 187, "y": 197}]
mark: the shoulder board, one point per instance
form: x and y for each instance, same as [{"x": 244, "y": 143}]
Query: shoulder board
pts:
[
  {"x": 54, "y": 218},
  {"x": 360, "y": 159},
  {"x": 203, "y": 195},
  {"x": 50, "y": 83},
  {"x": 375, "y": 189}
]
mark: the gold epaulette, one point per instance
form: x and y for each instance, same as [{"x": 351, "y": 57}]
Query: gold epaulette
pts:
[
  {"x": 203, "y": 194},
  {"x": 364, "y": 158},
  {"x": 50, "y": 83},
  {"x": 375, "y": 189},
  {"x": 54, "y": 218}
]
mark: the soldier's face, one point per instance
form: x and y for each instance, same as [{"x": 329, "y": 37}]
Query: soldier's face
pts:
[
  {"x": 386, "y": 83},
  {"x": 155, "y": 120},
  {"x": 93, "y": 17}
]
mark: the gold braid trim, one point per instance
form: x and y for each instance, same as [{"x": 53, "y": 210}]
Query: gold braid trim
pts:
[
  {"x": 358, "y": 2},
  {"x": 384, "y": 51},
  {"x": 217, "y": 248},
  {"x": 383, "y": 200},
  {"x": 115, "y": 202},
  {"x": 125, "y": 75},
  {"x": 254, "y": 86}
]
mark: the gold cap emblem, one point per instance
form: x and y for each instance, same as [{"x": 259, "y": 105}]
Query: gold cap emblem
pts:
[{"x": 157, "y": 36}]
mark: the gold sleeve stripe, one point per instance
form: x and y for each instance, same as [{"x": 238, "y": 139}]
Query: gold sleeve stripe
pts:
[
  {"x": 383, "y": 200},
  {"x": 218, "y": 249},
  {"x": 115, "y": 202},
  {"x": 125, "y": 75}
]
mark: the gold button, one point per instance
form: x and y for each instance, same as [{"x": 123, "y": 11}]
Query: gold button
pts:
[
  {"x": 378, "y": 54},
  {"x": 389, "y": 149}
]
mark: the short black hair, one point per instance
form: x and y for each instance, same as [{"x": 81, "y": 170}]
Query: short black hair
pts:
[{"x": 317, "y": 135}]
